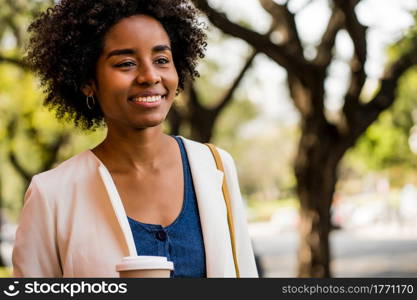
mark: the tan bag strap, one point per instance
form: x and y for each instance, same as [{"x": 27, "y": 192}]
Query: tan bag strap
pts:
[{"x": 226, "y": 196}]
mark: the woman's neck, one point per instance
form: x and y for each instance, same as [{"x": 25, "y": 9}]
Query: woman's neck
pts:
[{"x": 146, "y": 149}]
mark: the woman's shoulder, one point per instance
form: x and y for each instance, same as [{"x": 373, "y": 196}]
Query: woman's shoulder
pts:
[
  {"x": 199, "y": 148},
  {"x": 73, "y": 168}
]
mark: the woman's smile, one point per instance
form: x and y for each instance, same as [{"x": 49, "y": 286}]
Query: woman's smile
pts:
[{"x": 148, "y": 101}]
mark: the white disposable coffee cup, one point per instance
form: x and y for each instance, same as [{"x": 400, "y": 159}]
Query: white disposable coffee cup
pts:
[{"x": 144, "y": 266}]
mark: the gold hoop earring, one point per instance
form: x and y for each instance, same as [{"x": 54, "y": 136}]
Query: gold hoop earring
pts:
[{"x": 87, "y": 101}]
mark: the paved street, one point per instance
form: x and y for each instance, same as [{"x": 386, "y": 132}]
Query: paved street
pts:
[{"x": 386, "y": 250}]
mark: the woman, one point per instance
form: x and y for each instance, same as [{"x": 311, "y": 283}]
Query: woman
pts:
[{"x": 121, "y": 63}]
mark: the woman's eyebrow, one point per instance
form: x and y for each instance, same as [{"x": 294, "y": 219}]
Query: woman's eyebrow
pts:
[
  {"x": 121, "y": 52},
  {"x": 160, "y": 48},
  {"x": 157, "y": 48}
]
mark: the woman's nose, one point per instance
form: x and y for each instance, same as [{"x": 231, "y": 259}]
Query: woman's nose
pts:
[{"x": 148, "y": 75}]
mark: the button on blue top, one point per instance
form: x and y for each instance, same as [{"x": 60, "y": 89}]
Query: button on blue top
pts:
[
  {"x": 182, "y": 241},
  {"x": 161, "y": 235}
]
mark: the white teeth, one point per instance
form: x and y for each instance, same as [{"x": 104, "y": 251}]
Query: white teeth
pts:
[{"x": 150, "y": 99}]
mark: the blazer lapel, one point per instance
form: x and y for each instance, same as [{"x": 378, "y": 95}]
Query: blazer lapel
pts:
[
  {"x": 207, "y": 181},
  {"x": 116, "y": 203}
]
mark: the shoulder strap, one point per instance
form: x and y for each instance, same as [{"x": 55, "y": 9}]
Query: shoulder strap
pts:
[{"x": 226, "y": 196}]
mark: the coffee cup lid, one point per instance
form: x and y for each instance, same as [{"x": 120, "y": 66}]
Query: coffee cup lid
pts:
[{"x": 144, "y": 262}]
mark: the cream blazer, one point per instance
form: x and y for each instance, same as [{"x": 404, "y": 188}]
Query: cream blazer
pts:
[{"x": 73, "y": 223}]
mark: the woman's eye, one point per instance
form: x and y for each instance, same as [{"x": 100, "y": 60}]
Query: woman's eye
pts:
[
  {"x": 125, "y": 64},
  {"x": 162, "y": 61}
]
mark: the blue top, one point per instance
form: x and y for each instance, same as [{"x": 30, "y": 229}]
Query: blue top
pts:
[{"x": 182, "y": 241}]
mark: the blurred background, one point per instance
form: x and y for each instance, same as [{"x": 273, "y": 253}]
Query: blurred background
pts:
[{"x": 316, "y": 100}]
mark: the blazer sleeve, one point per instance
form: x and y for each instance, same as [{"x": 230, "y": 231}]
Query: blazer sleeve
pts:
[
  {"x": 244, "y": 250},
  {"x": 35, "y": 251}
]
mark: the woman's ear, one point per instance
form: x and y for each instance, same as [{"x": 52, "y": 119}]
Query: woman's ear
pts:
[{"x": 87, "y": 90}]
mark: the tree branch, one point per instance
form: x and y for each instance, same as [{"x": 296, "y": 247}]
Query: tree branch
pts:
[
  {"x": 299, "y": 97},
  {"x": 285, "y": 22},
  {"x": 193, "y": 96},
  {"x": 15, "y": 29},
  {"x": 309, "y": 99},
  {"x": 357, "y": 33},
  {"x": 228, "y": 96},
  {"x": 16, "y": 9},
  {"x": 387, "y": 93},
  {"x": 261, "y": 43},
  {"x": 53, "y": 150},
  {"x": 15, "y": 61},
  {"x": 11, "y": 132},
  {"x": 19, "y": 168},
  {"x": 356, "y": 30},
  {"x": 174, "y": 119},
  {"x": 324, "y": 49}
]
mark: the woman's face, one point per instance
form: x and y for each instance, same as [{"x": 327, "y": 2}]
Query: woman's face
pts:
[{"x": 136, "y": 79}]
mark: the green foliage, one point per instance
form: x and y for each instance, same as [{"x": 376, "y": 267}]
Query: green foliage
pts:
[
  {"x": 408, "y": 42},
  {"x": 385, "y": 146},
  {"x": 5, "y": 272}
]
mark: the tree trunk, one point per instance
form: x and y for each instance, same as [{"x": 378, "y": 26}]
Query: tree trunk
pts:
[
  {"x": 315, "y": 169},
  {"x": 202, "y": 123},
  {"x": 174, "y": 119}
]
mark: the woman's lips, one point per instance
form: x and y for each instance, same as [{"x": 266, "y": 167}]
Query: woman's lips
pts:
[{"x": 148, "y": 101}]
